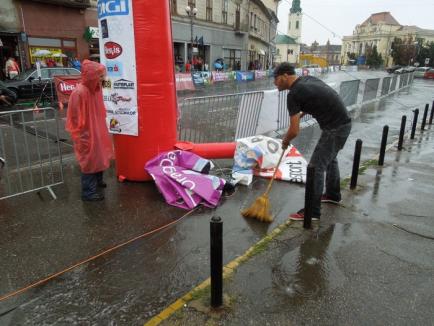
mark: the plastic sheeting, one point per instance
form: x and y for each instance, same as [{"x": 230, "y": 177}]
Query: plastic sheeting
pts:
[
  {"x": 259, "y": 155},
  {"x": 86, "y": 121},
  {"x": 371, "y": 89},
  {"x": 349, "y": 91},
  {"x": 179, "y": 177}
]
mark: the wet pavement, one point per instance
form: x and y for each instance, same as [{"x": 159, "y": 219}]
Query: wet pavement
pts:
[
  {"x": 369, "y": 262},
  {"x": 113, "y": 270}
]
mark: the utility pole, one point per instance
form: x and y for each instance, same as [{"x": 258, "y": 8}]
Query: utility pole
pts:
[{"x": 191, "y": 12}]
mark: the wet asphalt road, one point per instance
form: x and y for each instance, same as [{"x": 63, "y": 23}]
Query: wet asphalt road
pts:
[{"x": 132, "y": 283}]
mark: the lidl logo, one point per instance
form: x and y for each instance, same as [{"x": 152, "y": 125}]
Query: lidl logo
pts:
[{"x": 112, "y": 8}]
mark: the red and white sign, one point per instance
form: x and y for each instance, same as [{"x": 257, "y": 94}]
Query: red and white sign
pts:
[
  {"x": 112, "y": 50},
  {"x": 65, "y": 85}
]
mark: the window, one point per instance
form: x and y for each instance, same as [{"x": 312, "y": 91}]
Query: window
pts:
[
  {"x": 209, "y": 10},
  {"x": 192, "y": 3},
  {"x": 225, "y": 12},
  {"x": 173, "y": 6},
  {"x": 233, "y": 58},
  {"x": 238, "y": 18},
  {"x": 251, "y": 20},
  {"x": 297, "y": 24}
]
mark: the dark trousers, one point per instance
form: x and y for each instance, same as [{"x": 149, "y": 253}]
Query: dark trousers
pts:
[
  {"x": 89, "y": 183},
  {"x": 324, "y": 159}
]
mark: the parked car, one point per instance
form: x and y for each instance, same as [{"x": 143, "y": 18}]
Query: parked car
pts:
[
  {"x": 7, "y": 97},
  {"x": 27, "y": 85},
  {"x": 420, "y": 72},
  {"x": 393, "y": 69},
  {"x": 429, "y": 74}
]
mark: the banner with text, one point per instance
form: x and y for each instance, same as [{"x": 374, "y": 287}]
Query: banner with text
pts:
[
  {"x": 115, "y": 20},
  {"x": 65, "y": 85}
]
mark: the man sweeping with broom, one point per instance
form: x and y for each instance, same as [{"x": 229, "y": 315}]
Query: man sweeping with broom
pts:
[{"x": 310, "y": 95}]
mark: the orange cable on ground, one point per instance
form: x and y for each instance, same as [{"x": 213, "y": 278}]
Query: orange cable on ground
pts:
[{"x": 52, "y": 276}]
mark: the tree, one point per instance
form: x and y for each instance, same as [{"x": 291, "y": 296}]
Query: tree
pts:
[
  {"x": 373, "y": 58},
  {"x": 352, "y": 58},
  {"x": 425, "y": 51},
  {"x": 403, "y": 52}
]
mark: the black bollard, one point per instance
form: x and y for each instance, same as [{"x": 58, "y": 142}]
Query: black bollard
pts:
[
  {"x": 432, "y": 113},
  {"x": 401, "y": 132},
  {"x": 308, "y": 197},
  {"x": 425, "y": 114},
  {"x": 383, "y": 145},
  {"x": 356, "y": 163},
  {"x": 413, "y": 128},
  {"x": 216, "y": 228}
]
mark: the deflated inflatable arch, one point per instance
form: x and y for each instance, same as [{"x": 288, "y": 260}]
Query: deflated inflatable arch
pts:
[{"x": 156, "y": 91}]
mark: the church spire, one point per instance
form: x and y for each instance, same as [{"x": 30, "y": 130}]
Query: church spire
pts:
[{"x": 295, "y": 7}]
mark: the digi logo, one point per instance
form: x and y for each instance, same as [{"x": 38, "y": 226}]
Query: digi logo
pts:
[{"x": 112, "y": 8}]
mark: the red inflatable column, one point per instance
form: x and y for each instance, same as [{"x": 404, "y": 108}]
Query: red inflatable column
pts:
[{"x": 156, "y": 91}]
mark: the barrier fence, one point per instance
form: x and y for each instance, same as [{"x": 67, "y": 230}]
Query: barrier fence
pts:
[
  {"x": 29, "y": 144},
  {"x": 225, "y": 118},
  {"x": 219, "y": 118}
]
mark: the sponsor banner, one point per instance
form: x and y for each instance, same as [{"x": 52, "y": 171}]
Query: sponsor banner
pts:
[
  {"x": 258, "y": 155},
  {"x": 184, "y": 81},
  {"x": 260, "y": 74},
  {"x": 201, "y": 77},
  {"x": 65, "y": 85},
  {"x": 115, "y": 18},
  {"x": 219, "y": 76},
  {"x": 245, "y": 75}
]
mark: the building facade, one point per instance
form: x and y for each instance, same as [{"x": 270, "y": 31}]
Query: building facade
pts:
[
  {"x": 288, "y": 46},
  {"x": 330, "y": 53},
  {"x": 241, "y": 32},
  {"x": 379, "y": 30},
  {"x": 56, "y": 26}
]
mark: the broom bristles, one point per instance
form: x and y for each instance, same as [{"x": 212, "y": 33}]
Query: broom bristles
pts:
[{"x": 260, "y": 210}]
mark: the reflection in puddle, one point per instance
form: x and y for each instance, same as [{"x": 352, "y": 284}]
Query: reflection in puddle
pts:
[{"x": 305, "y": 273}]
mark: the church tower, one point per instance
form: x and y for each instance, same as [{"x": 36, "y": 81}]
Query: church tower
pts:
[{"x": 294, "y": 21}]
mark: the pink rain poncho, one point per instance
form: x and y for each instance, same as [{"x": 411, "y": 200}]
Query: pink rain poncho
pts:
[{"x": 86, "y": 121}]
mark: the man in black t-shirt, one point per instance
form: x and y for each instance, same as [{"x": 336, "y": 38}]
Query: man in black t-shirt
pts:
[{"x": 310, "y": 95}]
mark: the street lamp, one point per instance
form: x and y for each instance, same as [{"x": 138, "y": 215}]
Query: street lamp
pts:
[{"x": 191, "y": 12}]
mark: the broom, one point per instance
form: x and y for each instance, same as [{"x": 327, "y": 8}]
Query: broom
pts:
[{"x": 260, "y": 209}]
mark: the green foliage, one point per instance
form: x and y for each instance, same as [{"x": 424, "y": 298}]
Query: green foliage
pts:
[
  {"x": 403, "y": 51},
  {"x": 425, "y": 51},
  {"x": 88, "y": 35},
  {"x": 373, "y": 58}
]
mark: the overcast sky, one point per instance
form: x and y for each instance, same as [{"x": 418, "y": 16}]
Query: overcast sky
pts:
[{"x": 341, "y": 16}]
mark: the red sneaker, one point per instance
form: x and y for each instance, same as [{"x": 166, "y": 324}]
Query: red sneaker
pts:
[
  {"x": 299, "y": 216},
  {"x": 327, "y": 199}
]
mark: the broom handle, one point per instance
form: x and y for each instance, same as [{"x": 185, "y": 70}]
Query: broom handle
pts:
[{"x": 274, "y": 174}]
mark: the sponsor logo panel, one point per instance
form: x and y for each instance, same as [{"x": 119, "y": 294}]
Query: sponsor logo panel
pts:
[{"x": 112, "y": 8}]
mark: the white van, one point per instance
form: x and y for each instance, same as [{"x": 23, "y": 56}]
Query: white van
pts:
[{"x": 420, "y": 72}]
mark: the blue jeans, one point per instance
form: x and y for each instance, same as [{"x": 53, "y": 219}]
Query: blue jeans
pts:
[
  {"x": 324, "y": 159},
  {"x": 89, "y": 183}
]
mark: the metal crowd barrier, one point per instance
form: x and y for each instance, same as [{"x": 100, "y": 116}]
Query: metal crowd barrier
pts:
[
  {"x": 221, "y": 118},
  {"x": 29, "y": 145},
  {"x": 225, "y": 118}
]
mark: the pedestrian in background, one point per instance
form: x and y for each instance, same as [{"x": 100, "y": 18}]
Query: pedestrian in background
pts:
[
  {"x": 310, "y": 95},
  {"x": 12, "y": 68},
  {"x": 86, "y": 122}
]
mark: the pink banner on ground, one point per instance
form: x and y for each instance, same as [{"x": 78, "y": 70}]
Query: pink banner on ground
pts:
[
  {"x": 65, "y": 85},
  {"x": 182, "y": 179},
  {"x": 184, "y": 82}
]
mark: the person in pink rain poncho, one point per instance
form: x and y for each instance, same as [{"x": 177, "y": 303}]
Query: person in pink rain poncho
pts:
[{"x": 86, "y": 122}]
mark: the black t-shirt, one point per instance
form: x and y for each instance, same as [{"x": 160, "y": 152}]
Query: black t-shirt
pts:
[{"x": 313, "y": 96}]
